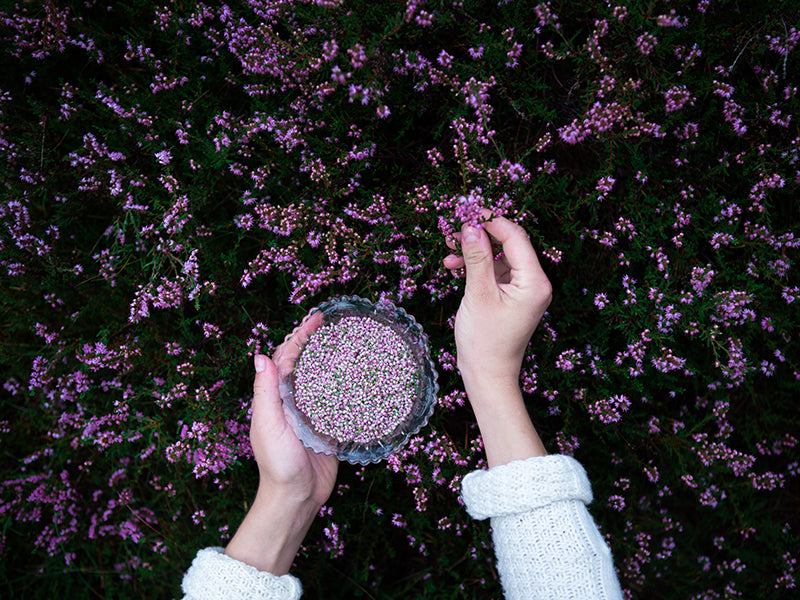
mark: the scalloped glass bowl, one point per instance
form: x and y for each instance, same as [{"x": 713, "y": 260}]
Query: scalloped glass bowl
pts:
[{"x": 376, "y": 450}]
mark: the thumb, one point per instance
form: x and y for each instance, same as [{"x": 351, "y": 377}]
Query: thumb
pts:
[
  {"x": 478, "y": 261},
  {"x": 267, "y": 404}
]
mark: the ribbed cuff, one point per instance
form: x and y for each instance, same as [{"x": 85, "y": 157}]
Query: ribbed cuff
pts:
[
  {"x": 216, "y": 576},
  {"x": 524, "y": 485}
]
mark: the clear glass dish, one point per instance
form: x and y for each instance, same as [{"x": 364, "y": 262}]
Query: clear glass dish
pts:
[{"x": 376, "y": 450}]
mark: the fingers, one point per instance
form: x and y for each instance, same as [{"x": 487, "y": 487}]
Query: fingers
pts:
[
  {"x": 286, "y": 354},
  {"x": 451, "y": 261},
  {"x": 266, "y": 396},
  {"x": 267, "y": 404},
  {"x": 454, "y": 262},
  {"x": 502, "y": 272},
  {"x": 519, "y": 261},
  {"x": 476, "y": 250},
  {"x": 517, "y": 248},
  {"x": 453, "y": 241}
]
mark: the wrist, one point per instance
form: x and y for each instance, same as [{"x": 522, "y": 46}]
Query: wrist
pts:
[
  {"x": 506, "y": 427},
  {"x": 272, "y": 531},
  {"x": 481, "y": 385},
  {"x": 492, "y": 370}
]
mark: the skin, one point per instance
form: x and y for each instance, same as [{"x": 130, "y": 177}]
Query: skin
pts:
[
  {"x": 294, "y": 482},
  {"x": 503, "y": 302}
]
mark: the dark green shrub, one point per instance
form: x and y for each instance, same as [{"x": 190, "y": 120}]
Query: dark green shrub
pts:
[{"x": 181, "y": 183}]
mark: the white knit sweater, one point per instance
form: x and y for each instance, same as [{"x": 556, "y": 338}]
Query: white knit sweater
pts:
[{"x": 547, "y": 545}]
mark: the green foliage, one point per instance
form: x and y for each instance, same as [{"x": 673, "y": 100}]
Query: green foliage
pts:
[{"x": 182, "y": 183}]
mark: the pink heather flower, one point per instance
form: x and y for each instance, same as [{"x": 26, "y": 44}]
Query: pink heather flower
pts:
[
  {"x": 604, "y": 185},
  {"x": 625, "y": 227},
  {"x": 553, "y": 254},
  {"x": 606, "y": 238},
  {"x": 790, "y": 294},
  {"x": 211, "y": 331},
  {"x": 513, "y": 171},
  {"x": 701, "y": 277},
  {"x": 667, "y": 361},
  {"x": 329, "y": 50},
  {"x": 783, "y": 46},
  {"x": 513, "y": 55},
  {"x": 733, "y": 113},
  {"x": 546, "y": 16},
  {"x": 720, "y": 239},
  {"x": 357, "y": 56},
  {"x": 337, "y": 75},
  {"x": 610, "y": 410},
  {"x": 476, "y": 53},
  {"x": 722, "y": 89},
  {"x": 164, "y": 157},
  {"x": 671, "y": 20},
  {"x": 435, "y": 157},
  {"x": 424, "y": 18},
  {"x": 738, "y": 365},
  {"x": 568, "y": 360},
  {"x": 468, "y": 208},
  {"x": 355, "y": 380},
  {"x": 607, "y": 85},
  {"x": 732, "y": 308},
  {"x": 676, "y": 97},
  {"x": 645, "y": 43},
  {"x": 567, "y": 445},
  {"x": 476, "y": 93}
]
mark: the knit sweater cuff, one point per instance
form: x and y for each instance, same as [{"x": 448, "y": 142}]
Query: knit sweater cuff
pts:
[
  {"x": 524, "y": 485},
  {"x": 216, "y": 576}
]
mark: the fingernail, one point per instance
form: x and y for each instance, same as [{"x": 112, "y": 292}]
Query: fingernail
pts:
[
  {"x": 470, "y": 234},
  {"x": 260, "y": 363}
]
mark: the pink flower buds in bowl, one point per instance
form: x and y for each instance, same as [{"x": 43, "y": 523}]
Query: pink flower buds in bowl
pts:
[{"x": 364, "y": 382}]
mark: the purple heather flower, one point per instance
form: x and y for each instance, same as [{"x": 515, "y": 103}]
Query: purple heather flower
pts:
[
  {"x": 646, "y": 42},
  {"x": 468, "y": 208},
  {"x": 356, "y": 380}
]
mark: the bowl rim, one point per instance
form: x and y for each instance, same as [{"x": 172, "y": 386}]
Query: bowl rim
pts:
[{"x": 386, "y": 312}]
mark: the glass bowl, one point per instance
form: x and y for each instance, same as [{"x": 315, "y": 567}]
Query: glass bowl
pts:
[{"x": 427, "y": 386}]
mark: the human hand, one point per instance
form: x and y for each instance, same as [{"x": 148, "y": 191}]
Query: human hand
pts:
[
  {"x": 284, "y": 463},
  {"x": 294, "y": 482},
  {"x": 503, "y": 302}
]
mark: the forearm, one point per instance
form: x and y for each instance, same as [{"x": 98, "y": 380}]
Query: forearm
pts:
[
  {"x": 272, "y": 532},
  {"x": 506, "y": 428}
]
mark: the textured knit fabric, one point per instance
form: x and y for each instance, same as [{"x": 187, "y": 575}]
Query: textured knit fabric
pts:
[
  {"x": 216, "y": 576},
  {"x": 546, "y": 543}
]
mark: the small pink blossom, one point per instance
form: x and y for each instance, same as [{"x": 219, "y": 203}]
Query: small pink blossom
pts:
[{"x": 645, "y": 43}]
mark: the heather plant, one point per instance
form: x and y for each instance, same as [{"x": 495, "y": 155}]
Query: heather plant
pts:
[{"x": 181, "y": 181}]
